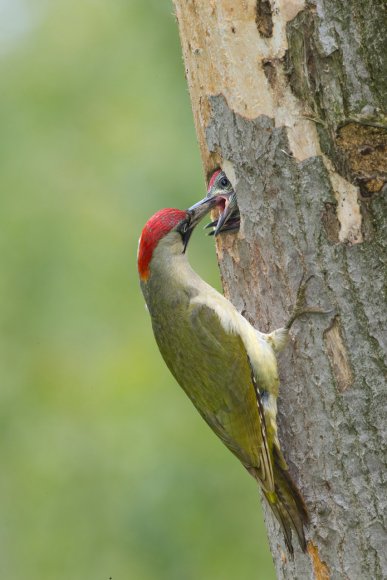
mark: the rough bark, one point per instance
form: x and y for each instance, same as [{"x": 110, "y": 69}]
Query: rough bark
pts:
[{"x": 289, "y": 98}]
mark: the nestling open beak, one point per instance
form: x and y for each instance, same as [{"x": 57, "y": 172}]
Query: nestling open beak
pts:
[{"x": 229, "y": 218}]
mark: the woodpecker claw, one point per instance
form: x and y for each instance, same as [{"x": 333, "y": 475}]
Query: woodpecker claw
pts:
[{"x": 300, "y": 308}]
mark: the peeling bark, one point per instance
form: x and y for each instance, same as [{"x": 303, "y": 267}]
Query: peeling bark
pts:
[{"x": 297, "y": 120}]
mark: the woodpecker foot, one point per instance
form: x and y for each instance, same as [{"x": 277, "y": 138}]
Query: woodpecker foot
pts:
[{"x": 300, "y": 308}]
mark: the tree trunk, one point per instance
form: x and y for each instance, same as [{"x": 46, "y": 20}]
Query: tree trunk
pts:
[{"x": 287, "y": 97}]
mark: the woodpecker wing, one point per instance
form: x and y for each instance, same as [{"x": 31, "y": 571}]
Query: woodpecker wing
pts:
[{"x": 230, "y": 401}]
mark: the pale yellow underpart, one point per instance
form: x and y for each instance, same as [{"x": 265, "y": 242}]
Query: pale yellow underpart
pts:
[{"x": 258, "y": 348}]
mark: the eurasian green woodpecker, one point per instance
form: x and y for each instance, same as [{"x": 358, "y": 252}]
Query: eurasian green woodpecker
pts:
[{"x": 226, "y": 367}]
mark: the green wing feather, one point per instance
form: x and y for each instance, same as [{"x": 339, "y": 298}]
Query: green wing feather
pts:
[
  {"x": 230, "y": 404},
  {"x": 225, "y": 388},
  {"x": 251, "y": 431}
]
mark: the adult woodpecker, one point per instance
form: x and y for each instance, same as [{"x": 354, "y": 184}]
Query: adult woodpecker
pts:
[{"x": 226, "y": 367}]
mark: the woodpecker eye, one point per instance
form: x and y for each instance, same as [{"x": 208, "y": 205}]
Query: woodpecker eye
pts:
[{"x": 224, "y": 182}]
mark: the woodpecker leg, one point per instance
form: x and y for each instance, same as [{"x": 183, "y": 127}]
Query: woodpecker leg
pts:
[
  {"x": 279, "y": 338},
  {"x": 300, "y": 307}
]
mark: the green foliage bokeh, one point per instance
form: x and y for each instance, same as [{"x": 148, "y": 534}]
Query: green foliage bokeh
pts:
[{"x": 107, "y": 470}]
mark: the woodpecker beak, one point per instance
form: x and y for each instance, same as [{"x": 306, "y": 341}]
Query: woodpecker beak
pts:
[
  {"x": 201, "y": 208},
  {"x": 186, "y": 234},
  {"x": 195, "y": 214}
]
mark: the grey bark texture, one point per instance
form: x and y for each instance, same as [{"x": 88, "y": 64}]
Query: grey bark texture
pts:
[{"x": 323, "y": 214}]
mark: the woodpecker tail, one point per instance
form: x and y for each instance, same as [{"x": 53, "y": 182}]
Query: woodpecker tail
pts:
[{"x": 287, "y": 504}]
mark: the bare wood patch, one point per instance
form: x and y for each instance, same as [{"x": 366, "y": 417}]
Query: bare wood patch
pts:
[
  {"x": 223, "y": 55},
  {"x": 348, "y": 208},
  {"x": 320, "y": 569},
  {"x": 338, "y": 356}
]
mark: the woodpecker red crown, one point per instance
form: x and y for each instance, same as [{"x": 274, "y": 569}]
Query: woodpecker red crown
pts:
[
  {"x": 158, "y": 226},
  {"x": 212, "y": 180}
]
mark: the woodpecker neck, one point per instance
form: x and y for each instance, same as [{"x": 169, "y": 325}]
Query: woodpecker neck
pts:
[
  {"x": 171, "y": 265},
  {"x": 171, "y": 277}
]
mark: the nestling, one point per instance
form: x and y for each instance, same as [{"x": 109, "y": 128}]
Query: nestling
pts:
[{"x": 221, "y": 188}]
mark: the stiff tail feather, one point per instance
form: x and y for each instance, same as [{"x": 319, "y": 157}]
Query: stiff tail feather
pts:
[{"x": 287, "y": 504}]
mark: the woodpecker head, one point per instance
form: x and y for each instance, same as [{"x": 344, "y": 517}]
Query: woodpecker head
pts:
[
  {"x": 219, "y": 184},
  {"x": 171, "y": 228},
  {"x": 221, "y": 190}
]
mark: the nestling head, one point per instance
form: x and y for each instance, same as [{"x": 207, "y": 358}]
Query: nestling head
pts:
[
  {"x": 221, "y": 191},
  {"x": 219, "y": 184}
]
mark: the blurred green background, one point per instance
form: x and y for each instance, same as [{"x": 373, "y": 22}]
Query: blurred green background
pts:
[{"x": 106, "y": 469}]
